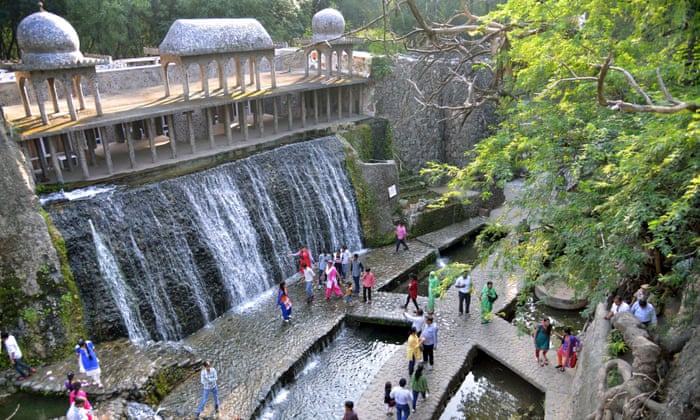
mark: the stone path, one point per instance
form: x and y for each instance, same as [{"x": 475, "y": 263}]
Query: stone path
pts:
[{"x": 252, "y": 349}]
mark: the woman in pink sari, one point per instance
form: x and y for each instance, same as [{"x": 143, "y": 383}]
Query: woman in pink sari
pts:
[{"x": 332, "y": 281}]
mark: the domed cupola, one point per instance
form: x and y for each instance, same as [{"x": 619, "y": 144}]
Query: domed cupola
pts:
[
  {"x": 327, "y": 24},
  {"x": 48, "y": 41}
]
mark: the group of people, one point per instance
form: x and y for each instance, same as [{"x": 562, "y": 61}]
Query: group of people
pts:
[
  {"x": 567, "y": 351},
  {"x": 332, "y": 270},
  {"x": 487, "y": 296},
  {"x": 88, "y": 364},
  {"x": 640, "y": 307}
]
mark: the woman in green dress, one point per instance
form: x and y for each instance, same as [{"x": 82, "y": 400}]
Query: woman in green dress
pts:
[
  {"x": 433, "y": 291},
  {"x": 488, "y": 296}
]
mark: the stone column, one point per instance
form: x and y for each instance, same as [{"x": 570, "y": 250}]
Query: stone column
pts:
[
  {"x": 350, "y": 101},
  {"x": 251, "y": 69},
  {"x": 82, "y": 161},
  {"x": 258, "y": 83},
  {"x": 328, "y": 104},
  {"x": 273, "y": 75},
  {"x": 53, "y": 94},
  {"x": 67, "y": 88},
  {"x": 210, "y": 127},
  {"x": 227, "y": 122},
  {"x": 108, "y": 154},
  {"x": 24, "y": 95},
  {"x": 171, "y": 134},
  {"x": 54, "y": 162},
  {"x": 190, "y": 127},
  {"x": 340, "y": 103},
  {"x": 185, "y": 81},
  {"x": 43, "y": 161},
  {"x": 96, "y": 94},
  {"x": 40, "y": 103},
  {"x": 290, "y": 115},
  {"x": 261, "y": 116},
  {"x": 275, "y": 115},
  {"x": 204, "y": 79},
  {"x": 78, "y": 89},
  {"x": 151, "y": 133},
  {"x": 303, "y": 109},
  {"x": 130, "y": 144},
  {"x": 242, "y": 78},
  {"x": 315, "y": 106},
  {"x": 223, "y": 77},
  {"x": 68, "y": 151},
  {"x": 237, "y": 64},
  {"x": 164, "y": 72},
  {"x": 91, "y": 149},
  {"x": 243, "y": 118}
]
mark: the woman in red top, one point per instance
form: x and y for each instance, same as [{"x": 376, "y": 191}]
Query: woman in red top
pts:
[
  {"x": 304, "y": 258},
  {"x": 412, "y": 291}
]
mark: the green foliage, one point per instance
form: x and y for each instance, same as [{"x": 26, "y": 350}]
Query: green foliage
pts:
[
  {"x": 616, "y": 345},
  {"x": 614, "y": 377},
  {"x": 449, "y": 273},
  {"x": 381, "y": 67},
  {"x": 360, "y": 137},
  {"x": 611, "y": 197}
]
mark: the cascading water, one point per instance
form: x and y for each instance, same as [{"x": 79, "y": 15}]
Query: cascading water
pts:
[{"x": 189, "y": 248}]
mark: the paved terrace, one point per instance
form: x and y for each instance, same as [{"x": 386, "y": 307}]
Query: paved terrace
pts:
[
  {"x": 253, "y": 350},
  {"x": 144, "y": 103}
]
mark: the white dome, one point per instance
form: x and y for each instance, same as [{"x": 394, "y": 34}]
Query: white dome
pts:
[
  {"x": 46, "y": 40},
  {"x": 327, "y": 24}
]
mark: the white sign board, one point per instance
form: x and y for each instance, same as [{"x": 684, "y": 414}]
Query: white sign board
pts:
[{"x": 392, "y": 191}]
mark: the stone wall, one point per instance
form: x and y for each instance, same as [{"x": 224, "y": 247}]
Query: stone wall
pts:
[
  {"x": 38, "y": 304},
  {"x": 422, "y": 135}
]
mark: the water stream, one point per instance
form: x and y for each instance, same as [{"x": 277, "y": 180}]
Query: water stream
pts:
[{"x": 158, "y": 262}]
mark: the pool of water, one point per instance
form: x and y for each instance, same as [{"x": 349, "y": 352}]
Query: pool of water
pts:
[
  {"x": 493, "y": 392},
  {"x": 33, "y": 407},
  {"x": 338, "y": 373},
  {"x": 533, "y": 311},
  {"x": 465, "y": 253}
]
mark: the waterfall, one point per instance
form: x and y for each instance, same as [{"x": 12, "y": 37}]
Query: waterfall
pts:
[{"x": 158, "y": 262}]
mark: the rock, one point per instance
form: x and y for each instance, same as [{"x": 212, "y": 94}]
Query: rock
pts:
[{"x": 555, "y": 293}]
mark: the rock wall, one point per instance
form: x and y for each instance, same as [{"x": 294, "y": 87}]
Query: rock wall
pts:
[
  {"x": 37, "y": 304},
  {"x": 585, "y": 389},
  {"x": 422, "y": 135}
]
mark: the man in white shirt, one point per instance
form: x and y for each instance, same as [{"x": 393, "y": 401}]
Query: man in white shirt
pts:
[
  {"x": 309, "y": 278},
  {"x": 416, "y": 321},
  {"x": 15, "y": 354},
  {"x": 77, "y": 410},
  {"x": 618, "y": 306},
  {"x": 403, "y": 398},
  {"x": 463, "y": 285}
]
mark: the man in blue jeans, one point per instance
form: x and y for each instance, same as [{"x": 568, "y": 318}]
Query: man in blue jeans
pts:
[
  {"x": 15, "y": 354},
  {"x": 208, "y": 379},
  {"x": 403, "y": 398}
]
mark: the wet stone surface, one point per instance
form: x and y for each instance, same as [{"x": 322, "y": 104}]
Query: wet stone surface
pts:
[{"x": 252, "y": 348}]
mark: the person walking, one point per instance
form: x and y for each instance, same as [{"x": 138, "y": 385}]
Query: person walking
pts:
[
  {"x": 356, "y": 269},
  {"x": 284, "y": 302},
  {"x": 323, "y": 259},
  {"x": 345, "y": 255},
  {"x": 388, "y": 400},
  {"x": 368, "y": 282},
  {"x": 566, "y": 355},
  {"x": 542, "y": 336},
  {"x": 15, "y": 354},
  {"x": 412, "y": 292},
  {"x": 305, "y": 257},
  {"x": 430, "y": 341},
  {"x": 400, "y": 237},
  {"x": 433, "y": 291},
  {"x": 413, "y": 352},
  {"x": 208, "y": 380},
  {"x": 350, "y": 413},
  {"x": 309, "y": 278},
  {"x": 332, "y": 280},
  {"x": 88, "y": 362},
  {"x": 464, "y": 287},
  {"x": 402, "y": 397},
  {"x": 419, "y": 385},
  {"x": 488, "y": 296}
]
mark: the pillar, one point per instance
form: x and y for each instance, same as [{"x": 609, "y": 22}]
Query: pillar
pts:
[
  {"x": 22, "y": 86},
  {"x": 210, "y": 127},
  {"x": 108, "y": 154},
  {"x": 303, "y": 109},
  {"x": 130, "y": 144},
  {"x": 273, "y": 75},
  {"x": 340, "y": 103},
  {"x": 151, "y": 133},
  {"x": 315, "y": 106},
  {"x": 190, "y": 127},
  {"x": 54, "y": 162},
  {"x": 69, "y": 100},
  {"x": 227, "y": 124},
  {"x": 186, "y": 81},
  {"x": 171, "y": 134},
  {"x": 53, "y": 94},
  {"x": 261, "y": 116},
  {"x": 258, "y": 83},
  {"x": 275, "y": 115},
  {"x": 243, "y": 119},
  {"x": 79, "y": 148},
  {"x": 290, "y": 115},
  {"x": 328, "y": 104},
  {"x": 91, "y": 149}
]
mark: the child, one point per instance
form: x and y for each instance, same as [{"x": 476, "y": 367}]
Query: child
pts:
[
  {"x": 368, "y": 283},
  {"x": 390, "y": 403},
  {"x": 348, "y": 293}
]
